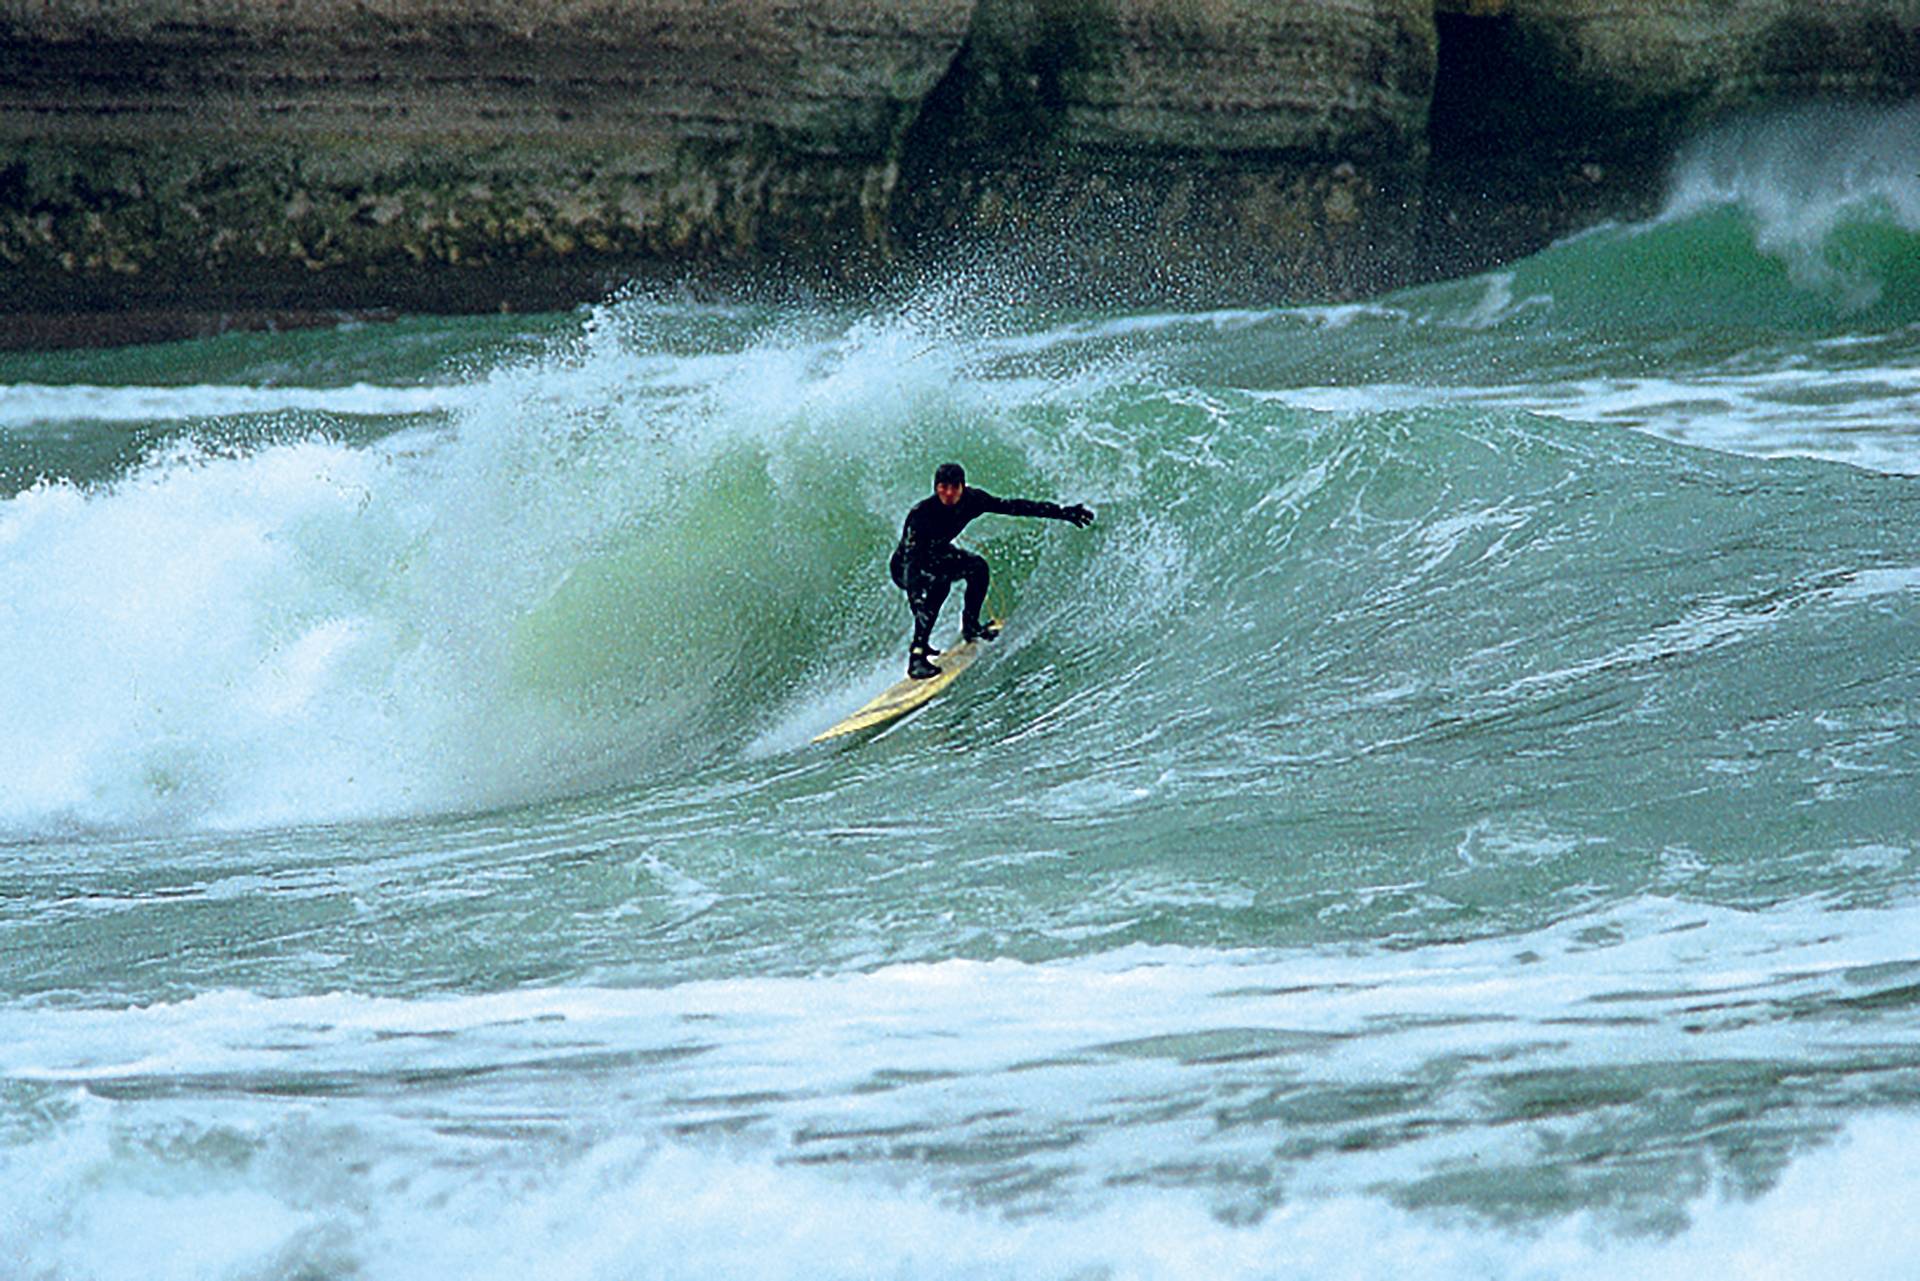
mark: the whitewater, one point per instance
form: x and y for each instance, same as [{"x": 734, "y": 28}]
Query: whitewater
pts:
[{"x": 1453, "y": 815}]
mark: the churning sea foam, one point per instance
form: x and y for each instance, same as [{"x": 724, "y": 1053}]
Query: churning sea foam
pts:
[{"x": 89, "y": 1206}]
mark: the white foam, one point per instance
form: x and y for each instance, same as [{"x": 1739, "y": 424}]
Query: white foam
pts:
[
  {"x": 73, "y": 1208},
  {"x": 994, "y": 1030},
  {"x": 1862, "y": 417},
  {"x": 26, "y": 405},
  {"x": 539, "y": 1133},
  {"x": 1871, "y": 583}
]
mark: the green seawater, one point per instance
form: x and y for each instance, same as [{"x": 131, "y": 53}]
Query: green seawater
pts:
[{"x": 1455, "y": 814}]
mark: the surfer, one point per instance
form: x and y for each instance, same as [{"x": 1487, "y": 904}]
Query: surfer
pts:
[{"x": 926, "y": 564}]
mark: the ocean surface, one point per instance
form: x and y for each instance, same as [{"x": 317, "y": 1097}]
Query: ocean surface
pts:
[{"x": 1455, "y": 815}]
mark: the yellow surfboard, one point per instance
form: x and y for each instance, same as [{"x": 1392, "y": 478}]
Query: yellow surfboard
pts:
[{"x": 903, "y": 696}]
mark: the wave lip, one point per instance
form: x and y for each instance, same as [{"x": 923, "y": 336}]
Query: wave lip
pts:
[
  {"x": 1831, "y": 194},
  {"x": 1802, "y": 172}
]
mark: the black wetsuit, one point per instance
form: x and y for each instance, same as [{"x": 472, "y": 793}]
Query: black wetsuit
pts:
[{"x": 926, "y": 563}]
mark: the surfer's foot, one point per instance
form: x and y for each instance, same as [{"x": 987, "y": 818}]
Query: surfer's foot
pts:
[
  {"x": 981, "y": 631},
  {"x": 918, "y": 667}
]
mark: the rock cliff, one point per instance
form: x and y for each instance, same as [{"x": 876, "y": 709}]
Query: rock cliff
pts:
[
  {"x": 1193, "y": 149},
  {"x": 307, "y": 155},
  {"x": 174, "y": 164}
]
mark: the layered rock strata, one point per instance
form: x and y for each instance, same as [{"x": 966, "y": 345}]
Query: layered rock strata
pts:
[
  {"x": 220, "y": 155},
  {"x": 1217, "y": 150},
  {"x": 172, "y": 162}
]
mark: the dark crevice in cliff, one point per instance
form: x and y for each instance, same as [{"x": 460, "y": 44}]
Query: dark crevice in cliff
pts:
[
  {"x": 925, "y": 157},
  {"x": 1516, "y": 158},
  {"x": 990, "y": 123}
]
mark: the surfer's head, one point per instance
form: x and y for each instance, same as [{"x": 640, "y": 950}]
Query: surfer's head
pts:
[{"x": 949, "y": 481}]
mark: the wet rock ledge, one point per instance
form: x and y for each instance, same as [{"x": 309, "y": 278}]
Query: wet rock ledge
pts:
[{"x": 175, "y": 166}]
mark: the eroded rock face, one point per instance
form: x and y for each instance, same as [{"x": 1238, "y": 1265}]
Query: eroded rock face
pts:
[
  {"x": 407, "y": 153},
  {"x": 1658, "y": 57},
  {"x": 174, "y": 156},
  {"x": 1202, "y": 150}
]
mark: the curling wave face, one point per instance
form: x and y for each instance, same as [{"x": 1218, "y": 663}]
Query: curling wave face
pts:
[{"x": 616, "y": 558}]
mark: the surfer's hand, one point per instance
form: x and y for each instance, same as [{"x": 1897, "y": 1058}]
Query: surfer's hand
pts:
[{"x": 1080, "y": 514}]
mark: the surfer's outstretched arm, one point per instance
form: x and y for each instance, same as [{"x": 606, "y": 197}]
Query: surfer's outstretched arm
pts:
[{"x": 1078, "y": 514}]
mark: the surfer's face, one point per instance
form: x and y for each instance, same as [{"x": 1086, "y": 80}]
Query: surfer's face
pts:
[{"x": 948, "y": 494}]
